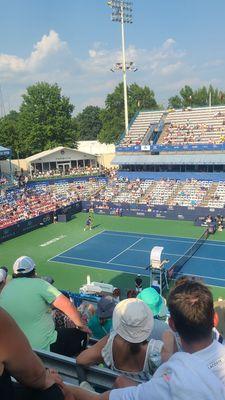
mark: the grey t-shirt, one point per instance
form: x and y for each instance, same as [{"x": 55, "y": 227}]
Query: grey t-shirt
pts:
[{"x": 159, "y": 328}]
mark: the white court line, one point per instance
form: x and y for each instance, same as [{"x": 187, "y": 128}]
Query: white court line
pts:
[
  {"x": 181, "y": 255},
  {"x": 137, "y": 241},
  {"x": 148, "y": 235},
  {"x": 103, "y": 269},
  {"x": 192, "y": 241},
  {"x": 83, "y": 241},
  {"x": 207, "y": 277},
  {"x": 149, "y": 251},
  {"x": 96, "y": 261},
  {"x": 164, "y": 238}
]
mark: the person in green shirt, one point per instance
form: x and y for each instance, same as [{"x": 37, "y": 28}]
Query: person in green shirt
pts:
[
  {"x": 29, "y": 301},
  {"x": 101, "y": 323}
]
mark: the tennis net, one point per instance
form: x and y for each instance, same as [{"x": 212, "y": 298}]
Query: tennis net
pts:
[{"x": 176, "y": 267}]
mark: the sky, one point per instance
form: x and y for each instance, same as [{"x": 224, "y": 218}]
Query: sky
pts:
[{"x": 74, "y": 43}]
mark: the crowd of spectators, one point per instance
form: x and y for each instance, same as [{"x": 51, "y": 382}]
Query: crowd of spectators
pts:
[
  {"x": 181, "y": 127},
  {"x": 78, "y": 171},
  {"x": 20, "y": 204},
  {"x": 188, "y": 133},
  {"x": 194, "y": 126},
  {"x": 182, "y": 357},
  {"x": 170, "y": 192}
]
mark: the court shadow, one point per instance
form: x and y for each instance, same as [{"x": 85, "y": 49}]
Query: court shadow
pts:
[
  {"x": 126, "y": 281},
  {"x": 96, "y": 226}
]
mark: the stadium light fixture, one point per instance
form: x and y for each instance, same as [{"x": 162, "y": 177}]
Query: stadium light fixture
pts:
[
  {"x": 130, "y": 66},
  {"x": 122, "y": 12}
]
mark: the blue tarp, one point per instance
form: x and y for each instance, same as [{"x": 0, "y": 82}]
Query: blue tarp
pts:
[{"x": 5, "y": 153}]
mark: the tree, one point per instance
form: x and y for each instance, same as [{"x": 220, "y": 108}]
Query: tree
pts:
[
  {"x": 45, "y": 119},
  {"x": 9, "y": 133},
  {"x": 197, "y": 98},
  {"x": 175, "y": 102},
  {"x": 141, "y": 98},
  {"x": 112, "y": 116},
  {"x": 201, "y": 97},
  {"x": 89, "y": 123},
  {"x": 187, "y": 96}
]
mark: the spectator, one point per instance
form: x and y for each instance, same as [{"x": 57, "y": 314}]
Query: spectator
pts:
[
  {"x": 28, "y": 300},
  {"x": 101, "y": 323},
  {"x": 3, "y": 277},
  {"x": 155, "y": 302},
  {"x": 131, "y": 294},
  {"x": 200, "y": 374},
  {"x": 18, "y": 360},
  {"x": 126, "y": 349},
  {"x": 183, "y": 377},
  {"x": 116, "y": 295},
  {"x": 61, "y": 320},
  {"x": 192, "y": 317},
  {"x": 219, "y": 307},
  {"x": 138, "y": 283}
]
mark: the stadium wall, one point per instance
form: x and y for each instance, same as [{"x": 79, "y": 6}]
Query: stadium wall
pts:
[
  {"x": 61, "y": 180},
  {"x": 159, "y": 211},
  {"x": 214, "y": 176},
  {"x": 42, "y": 220}
]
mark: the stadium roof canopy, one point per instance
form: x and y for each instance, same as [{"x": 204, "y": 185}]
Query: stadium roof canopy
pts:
[
  {"x": 173, "y": 159},
  {"x": 5, "y": 153},
  {"x": 60, "y": 150}
]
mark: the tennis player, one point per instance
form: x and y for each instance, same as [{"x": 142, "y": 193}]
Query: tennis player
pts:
[{"x": 88, "y": 224}]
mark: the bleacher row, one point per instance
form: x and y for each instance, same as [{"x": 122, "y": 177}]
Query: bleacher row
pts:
[
  {"x": 188, "y": 126},
  {"x": 25, "y": 203},
  {"x": 22, "y": 204},
  {"x": 171, "y": 192},
  {"x": 141, "y": 126}
]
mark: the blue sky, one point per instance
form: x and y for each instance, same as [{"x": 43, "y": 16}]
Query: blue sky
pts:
[{"x": 74, "y": 43}]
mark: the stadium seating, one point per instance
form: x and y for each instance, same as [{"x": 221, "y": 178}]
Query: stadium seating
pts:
[
  {"x": 25, "y": 203},
  {"x": 71, "y": 172},
  {"x": 140, "y": 127},
  {"x": 194, "y": 126},
  {"x": 187, "y": 193}
]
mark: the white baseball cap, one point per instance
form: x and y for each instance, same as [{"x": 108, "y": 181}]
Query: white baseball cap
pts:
[
  {"x": 23, "y": 265},
  {"x": 133, "y": 320}
]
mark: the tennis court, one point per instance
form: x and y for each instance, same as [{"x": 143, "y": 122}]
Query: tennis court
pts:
[{"x": 130, "y": 252}]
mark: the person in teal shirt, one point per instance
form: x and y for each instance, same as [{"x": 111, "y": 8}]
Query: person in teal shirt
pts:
[
  {"x": 29, "y": 301},
  {"x": 101, "y": 323}
]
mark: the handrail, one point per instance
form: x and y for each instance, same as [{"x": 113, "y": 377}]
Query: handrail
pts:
[{"x": 72, "y": 373}]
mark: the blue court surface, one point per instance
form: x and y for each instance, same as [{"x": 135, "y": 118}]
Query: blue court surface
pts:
[{"x": 130, "y": 253}]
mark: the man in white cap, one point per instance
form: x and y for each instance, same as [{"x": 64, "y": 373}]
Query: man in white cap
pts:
[{"x": 29, "y": 299}]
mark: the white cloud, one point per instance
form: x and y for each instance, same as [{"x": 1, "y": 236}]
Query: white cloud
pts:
[
  {"x": 48, "y": 45},
  {"x": 88, "y": 80}
]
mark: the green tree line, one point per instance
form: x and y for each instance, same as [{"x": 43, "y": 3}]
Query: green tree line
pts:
[{"x": 45, "y": 118}]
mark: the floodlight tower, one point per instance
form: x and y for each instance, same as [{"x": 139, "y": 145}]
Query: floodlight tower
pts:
[{"x": 122, "y": 12}]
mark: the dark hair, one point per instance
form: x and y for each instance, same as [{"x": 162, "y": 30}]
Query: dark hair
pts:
[
  {"x": 24, "y": 275},
  {"x": 131, "y": 294},
  {"x": 191, "y": 308}
]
